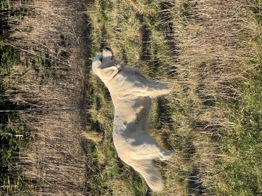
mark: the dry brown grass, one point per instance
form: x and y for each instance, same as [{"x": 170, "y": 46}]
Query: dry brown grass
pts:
[{"x": 52, "y": 40}]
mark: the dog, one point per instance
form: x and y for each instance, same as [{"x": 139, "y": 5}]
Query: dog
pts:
[{"x": 131, "y": 93}]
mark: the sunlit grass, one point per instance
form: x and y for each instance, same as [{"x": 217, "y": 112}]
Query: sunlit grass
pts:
[
  {"x": 202, "y": 117},
  {"x": 212, "y": 118}
]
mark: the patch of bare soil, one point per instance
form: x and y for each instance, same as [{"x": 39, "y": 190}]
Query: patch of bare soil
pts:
[{"x": 57, "y": 31}]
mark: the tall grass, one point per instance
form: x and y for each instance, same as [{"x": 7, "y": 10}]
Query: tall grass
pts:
[
  {"x": 202, "y": 50},
  {"x": 15, "y": 133},
  {"x": 241, "y": 145},
  {"x": 16, "y": 62},
  {"x": 208, "y": 52}
]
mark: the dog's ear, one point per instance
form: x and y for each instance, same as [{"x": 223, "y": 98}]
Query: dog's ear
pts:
[{"x": 107, "y": 53}]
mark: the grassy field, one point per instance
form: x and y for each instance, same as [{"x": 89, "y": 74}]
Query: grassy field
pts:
[
  {"x": 208, "y": 52},
  {"x": 213, "y": 115}
]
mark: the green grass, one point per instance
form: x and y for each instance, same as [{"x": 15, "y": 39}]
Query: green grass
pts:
[
  {"x": 242, "y": 169},
  {"x": 213, "y": 117},
  {"x": 215, "y": 127}
]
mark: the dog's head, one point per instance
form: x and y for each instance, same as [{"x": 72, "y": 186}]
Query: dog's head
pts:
[{"x": 104, "y": 65}]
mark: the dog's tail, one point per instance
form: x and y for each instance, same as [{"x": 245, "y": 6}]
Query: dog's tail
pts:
[{"x": 150, "y": 173}]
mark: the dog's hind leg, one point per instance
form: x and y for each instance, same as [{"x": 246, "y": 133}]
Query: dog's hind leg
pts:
[{"x": 150, "y": 173}]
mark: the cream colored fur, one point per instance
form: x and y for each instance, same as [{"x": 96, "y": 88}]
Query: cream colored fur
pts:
[{"x": 131, "y": 94}]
